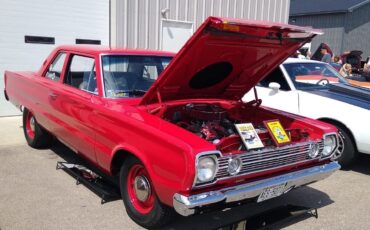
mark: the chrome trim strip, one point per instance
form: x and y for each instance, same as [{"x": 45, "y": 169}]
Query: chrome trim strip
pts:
[
  {"x": 286, "y": 153},
  {"x": 187, "y": 205},
  {"x": 222, "y": 160},
  {"x": 282, "y": 166}
]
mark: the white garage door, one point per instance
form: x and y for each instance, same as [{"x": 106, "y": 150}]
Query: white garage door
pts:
[{"x": 25, "y": 25}]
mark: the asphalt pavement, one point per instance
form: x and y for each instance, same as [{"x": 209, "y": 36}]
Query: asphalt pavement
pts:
[{"x": 34, "y": 195}]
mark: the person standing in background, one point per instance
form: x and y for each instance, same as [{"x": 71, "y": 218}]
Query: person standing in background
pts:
[
  {"x": 366, "y": 71},
  {"x": 326, "y": 56},
  {"x": 346, "y": 70},
  {"x": 337, "y": 60}
]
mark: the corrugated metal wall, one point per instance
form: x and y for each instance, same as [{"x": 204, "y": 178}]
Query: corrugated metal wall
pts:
[
  {"x": 346, "y": 31},
  {"x": 331, "y": 24},
  {"x": 136, "y": 23},
  {"x": 357, "y": 31}
]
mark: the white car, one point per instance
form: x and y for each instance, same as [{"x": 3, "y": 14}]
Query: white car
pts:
[{"x": 316, "y": 90}]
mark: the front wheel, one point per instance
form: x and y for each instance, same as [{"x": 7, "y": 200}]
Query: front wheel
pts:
[
  {"x": 139, "y": 197},
  {"x": 36, "y": 136},
  {"x": 346, "y": 152}
]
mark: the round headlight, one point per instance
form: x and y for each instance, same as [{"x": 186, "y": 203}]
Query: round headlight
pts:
[
  {"x": 235, "y": 164},
  {"x": 206, "y": 169},
  {"x": 314, "y": 150},
  {"x": 329, "y": 145}
]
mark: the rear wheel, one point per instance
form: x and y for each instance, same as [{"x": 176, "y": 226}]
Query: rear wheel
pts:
[
  {"x": 346, "y": 152},
  {"x": 36, "y": 136},
  {"x": 139, "y": 197}
]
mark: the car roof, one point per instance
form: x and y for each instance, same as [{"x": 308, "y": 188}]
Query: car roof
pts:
[
  {"x": 99, "y": 49},
  {"x": 298, "y": 60}
]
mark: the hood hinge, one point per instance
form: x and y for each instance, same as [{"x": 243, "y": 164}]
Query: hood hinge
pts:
[
  {"x": 161, "y": 108},
  {"x": 159, "y": 97},
  {"x": 257, "y": 101}
]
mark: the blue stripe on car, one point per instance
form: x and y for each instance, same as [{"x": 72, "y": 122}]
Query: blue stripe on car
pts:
[{"x": 348, "y": 94}]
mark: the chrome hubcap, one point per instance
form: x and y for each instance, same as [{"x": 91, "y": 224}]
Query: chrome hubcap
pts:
[
  {"x": 32, "y": 124},
  {"x": 338, "y": 153},
  {"x": 142, "y": 188}
]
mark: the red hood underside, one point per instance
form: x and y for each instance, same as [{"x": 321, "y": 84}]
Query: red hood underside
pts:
[{"x": 225, "y": 58}]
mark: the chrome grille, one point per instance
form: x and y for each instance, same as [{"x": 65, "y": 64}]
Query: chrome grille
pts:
[{"x": 265, "y": 159}]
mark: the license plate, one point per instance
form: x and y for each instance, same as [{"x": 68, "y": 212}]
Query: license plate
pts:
[{"x": 272, "y": 192}]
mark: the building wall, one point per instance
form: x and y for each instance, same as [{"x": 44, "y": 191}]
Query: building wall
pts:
[
  {"x": 65, "y": 21},
  {"x": 345, "y": 31},
  {"x": 357, "y": 31},
  {"x": 331, "y": 24},
  {"x": 137, "y": 23}
]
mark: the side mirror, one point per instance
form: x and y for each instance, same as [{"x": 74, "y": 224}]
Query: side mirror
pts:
[{"x": 274, "y": 86}]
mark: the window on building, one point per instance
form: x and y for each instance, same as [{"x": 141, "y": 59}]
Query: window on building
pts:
[
  {"x": 39, "y": 39},
  {"x": 81, "y": 74},
  {"x": 88, "y": 41},
  {"x": 55, "y": 68}
]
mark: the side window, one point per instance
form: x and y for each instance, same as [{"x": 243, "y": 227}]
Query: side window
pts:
[
  {"x": 81, "y": 74},
  {"x": 150, "y": 72},
  {"x": 55, "y": 68},
  {"x": 275, "y": 76}
]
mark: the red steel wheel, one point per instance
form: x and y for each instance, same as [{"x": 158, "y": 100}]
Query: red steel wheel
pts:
[
  {"x": 30, "y": 125},
  {"x": 140, "y": 189},
  {"x": 139, "y": 197},
  {"x": 36, "y": 136}
]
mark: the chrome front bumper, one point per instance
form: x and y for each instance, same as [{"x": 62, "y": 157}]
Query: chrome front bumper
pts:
[{"x": 187, "y": 205}]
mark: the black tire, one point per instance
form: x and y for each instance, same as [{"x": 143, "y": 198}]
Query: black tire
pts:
[
  {"x": 346, "y": 153},
  {"x": 150, "y": 212},
  {"x": 36, "y": 136}
]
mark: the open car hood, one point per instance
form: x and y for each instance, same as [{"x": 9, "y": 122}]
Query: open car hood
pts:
[{"x": 225, "y": 58}]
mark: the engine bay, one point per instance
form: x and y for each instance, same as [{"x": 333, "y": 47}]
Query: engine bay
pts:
[{"x": 217, "y": 125}]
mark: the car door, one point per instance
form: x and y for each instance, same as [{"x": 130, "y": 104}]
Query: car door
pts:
[
  {"x": 74, "y": 104},
  {"x": 276, "y": 91},
  {"x": 42, "y": 90}
]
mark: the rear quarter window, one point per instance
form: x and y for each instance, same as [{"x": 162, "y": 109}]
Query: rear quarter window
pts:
[{"x": 56, "y": 67}]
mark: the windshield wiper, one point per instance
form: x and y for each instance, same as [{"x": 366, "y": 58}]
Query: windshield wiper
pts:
[
  {"x": 137, "y": 92},
  {"x": 134, "y": 92}
]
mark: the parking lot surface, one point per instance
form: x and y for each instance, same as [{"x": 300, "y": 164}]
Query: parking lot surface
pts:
[{"x": 34, "y": 195}]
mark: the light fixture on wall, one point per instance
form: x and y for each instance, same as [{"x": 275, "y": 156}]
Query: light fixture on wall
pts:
[{"x": 164, "y": 12}]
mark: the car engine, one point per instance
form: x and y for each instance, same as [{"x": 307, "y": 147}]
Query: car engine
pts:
[
  {"x": 208, "y": 121},
  {"x": 216, "y": 124}
]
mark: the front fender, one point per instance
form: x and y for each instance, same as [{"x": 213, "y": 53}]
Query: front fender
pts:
[{"x": 168, "y": 172}]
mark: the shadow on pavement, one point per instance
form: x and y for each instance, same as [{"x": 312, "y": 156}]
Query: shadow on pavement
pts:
[
  {"x": 65, "y": 153},
  {"x": 92, "y": 178},
  {"x": 302, "y": 197},
  {"x": 361, "y": 165}
]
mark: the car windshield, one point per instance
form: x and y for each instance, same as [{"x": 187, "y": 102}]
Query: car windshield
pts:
[
  {"x": 131, "y": 75},
  {"x": 312, "y": 75}
]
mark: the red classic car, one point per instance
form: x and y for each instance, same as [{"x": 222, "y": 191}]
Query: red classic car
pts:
[{"x": 185, "y": 141}]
